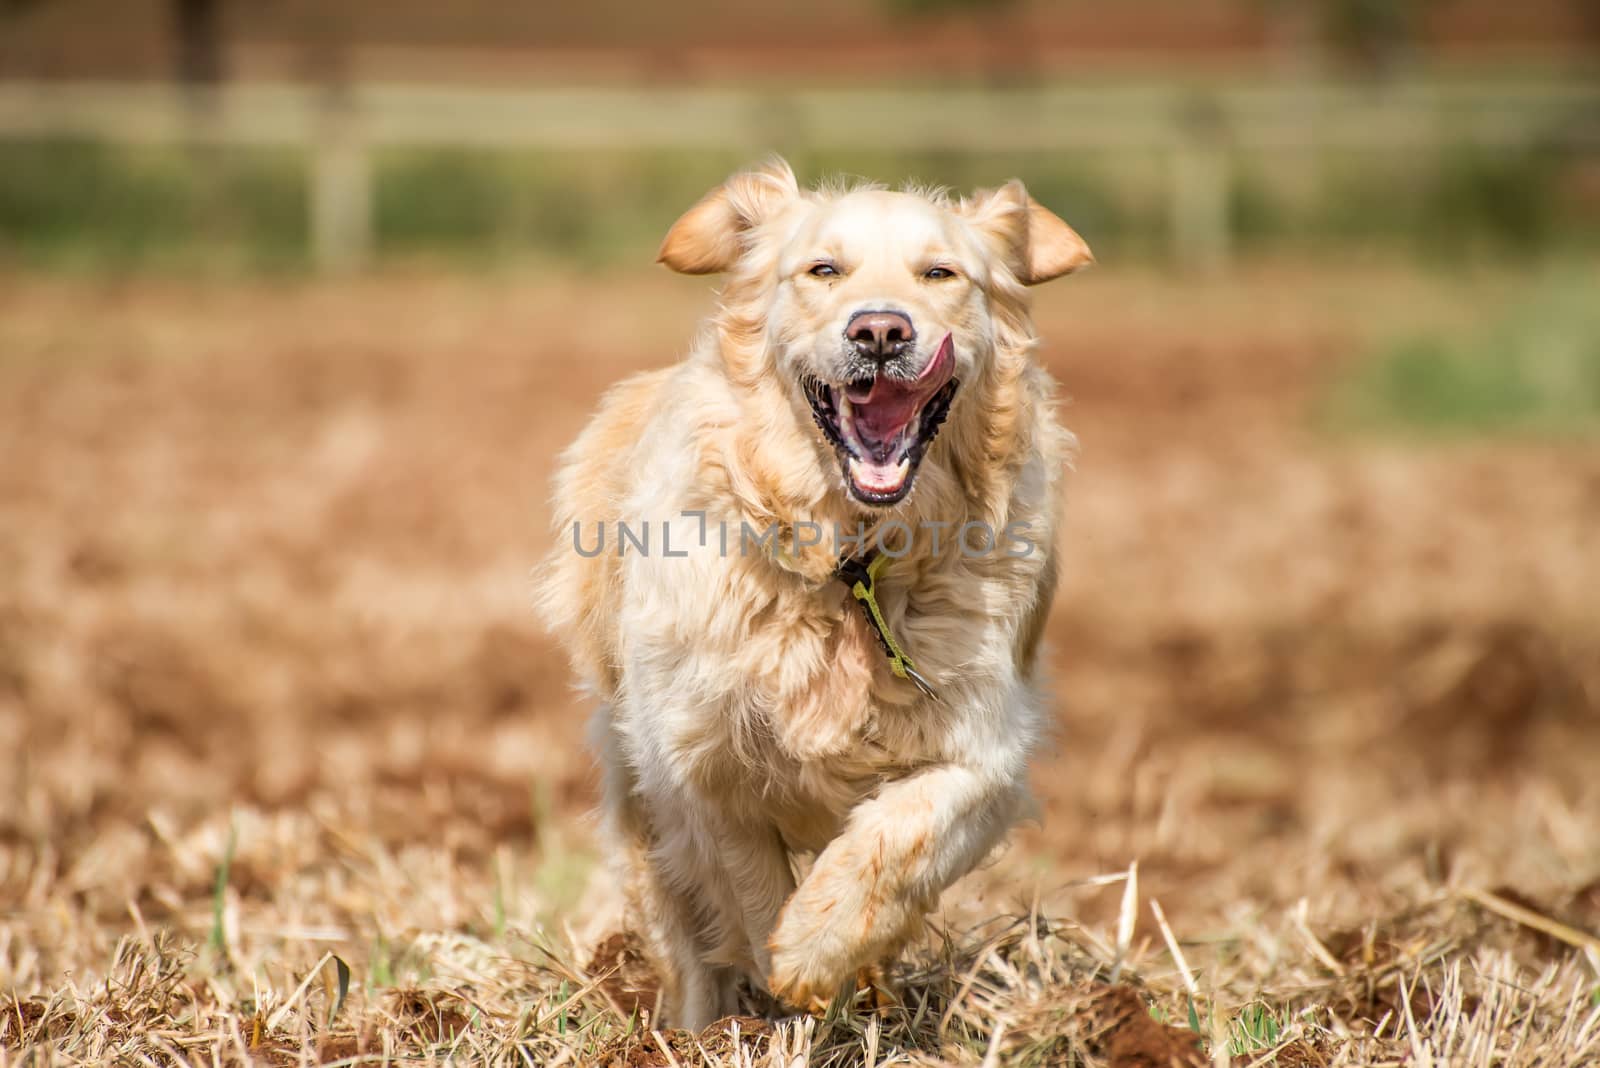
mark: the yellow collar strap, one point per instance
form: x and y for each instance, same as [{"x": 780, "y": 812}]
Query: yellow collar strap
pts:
[{"x": 861, "y": 575}]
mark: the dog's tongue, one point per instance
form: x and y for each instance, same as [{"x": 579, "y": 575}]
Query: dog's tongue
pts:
[{"x": 884, "y": 408}]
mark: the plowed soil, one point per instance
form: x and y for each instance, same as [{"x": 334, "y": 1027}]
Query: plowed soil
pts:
[{"x": 264, "y": 562}]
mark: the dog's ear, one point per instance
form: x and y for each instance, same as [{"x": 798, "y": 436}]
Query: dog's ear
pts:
[
  {"x": 1039, "y": 245},
  {"x": 709, "y": 237}
]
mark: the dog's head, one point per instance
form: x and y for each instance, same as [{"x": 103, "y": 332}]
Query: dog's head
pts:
[{"x": 873, "y": 307}]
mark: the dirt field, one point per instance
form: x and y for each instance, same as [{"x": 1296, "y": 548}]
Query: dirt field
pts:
[{"x": 271, "y": 688}]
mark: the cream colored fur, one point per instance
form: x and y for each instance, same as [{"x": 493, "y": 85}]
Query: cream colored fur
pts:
[{"x": 748, "y": 718}]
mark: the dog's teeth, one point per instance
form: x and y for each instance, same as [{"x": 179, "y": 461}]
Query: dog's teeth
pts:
[{"x": 870, "y": 477}]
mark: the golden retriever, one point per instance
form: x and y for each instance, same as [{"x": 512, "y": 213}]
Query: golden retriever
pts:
[{"x": 864, "y": 399}]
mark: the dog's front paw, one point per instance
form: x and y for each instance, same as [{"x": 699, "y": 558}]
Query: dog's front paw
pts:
[
  {"x": 809, "y": 960},
  {"x": 829, "y": 931}
]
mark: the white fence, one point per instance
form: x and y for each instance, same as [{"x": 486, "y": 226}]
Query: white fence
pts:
[{"x": 1198, "y": 130}]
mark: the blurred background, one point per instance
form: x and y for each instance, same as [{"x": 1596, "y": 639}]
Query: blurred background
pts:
[
  {"x": 284, "y": 134},
  {"x": 299, "y": 299}
]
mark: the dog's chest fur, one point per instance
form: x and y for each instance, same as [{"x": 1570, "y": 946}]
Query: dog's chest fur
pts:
[{"x": 809, "y": 718}]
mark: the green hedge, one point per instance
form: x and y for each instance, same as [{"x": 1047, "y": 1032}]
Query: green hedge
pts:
[{"x": 67, "y": 203}]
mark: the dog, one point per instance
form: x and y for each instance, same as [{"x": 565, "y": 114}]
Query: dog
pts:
[{"x": 805, "y": 739}]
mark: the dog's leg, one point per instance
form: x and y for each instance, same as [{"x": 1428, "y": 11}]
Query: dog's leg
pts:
[
  {"x": 665, "y": 890},
  {"x": 688, "y": 862},
  {"x": 736, "y": 879},
  {"x": 873, "y": 884},
  {"x": 656, "y": 912},
  {"x": 762, "y": 879}
]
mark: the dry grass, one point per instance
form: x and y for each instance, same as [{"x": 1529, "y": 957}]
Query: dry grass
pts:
[{"x": 270, "y": 695}]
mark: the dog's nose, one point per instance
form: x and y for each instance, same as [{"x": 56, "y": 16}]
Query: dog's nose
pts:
[{"x": 880, "y": 335}]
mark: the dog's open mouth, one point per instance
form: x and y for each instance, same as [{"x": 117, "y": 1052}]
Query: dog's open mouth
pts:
[{"x": 881, "y": 426}]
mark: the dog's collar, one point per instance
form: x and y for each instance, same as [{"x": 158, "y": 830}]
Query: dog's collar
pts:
[{"x": 860, "y": 574}]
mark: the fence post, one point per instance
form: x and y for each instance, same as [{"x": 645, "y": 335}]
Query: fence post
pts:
[
  {"x": 1202, "y": 227},
  {"x": 341, "y": 192}
]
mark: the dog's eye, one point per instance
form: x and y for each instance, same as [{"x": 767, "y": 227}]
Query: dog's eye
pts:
[
  {"x": 935, "y": 274},
  {"x": 824, "y": 270}
]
